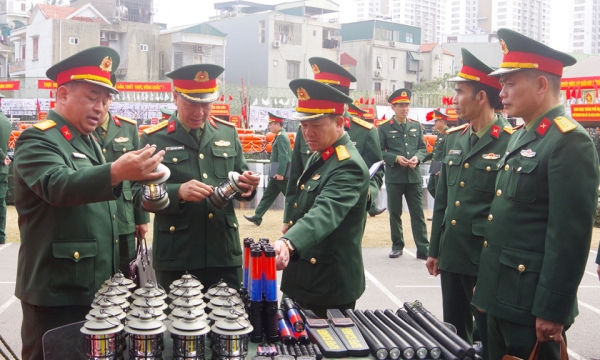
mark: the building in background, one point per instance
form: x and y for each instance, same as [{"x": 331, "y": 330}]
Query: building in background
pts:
[
  {"x": 584, "y": 34},
  {"x": 136, "y": 11},
  {"x": 488, "y": 52},
  {"x": 437, "y": 62}
]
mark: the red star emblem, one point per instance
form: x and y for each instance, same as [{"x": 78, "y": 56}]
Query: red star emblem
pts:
[
  {"x": 543, "y": 127},
  {"x": 66, "y": 133},
  {"x": 495, "y": 131}
]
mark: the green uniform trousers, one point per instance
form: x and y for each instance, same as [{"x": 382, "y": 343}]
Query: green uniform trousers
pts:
[
  {"x": 39, "y": 319},
  {"x": 3, "y": 190},
  {"x": 414, "y": 199},
  {"x": 274, "y": 187},
  {"x": 126, "y": 252},
  {"x": 208, "y": 276},
  {"x": 432, "y": 184},
  {"x": 457, "y": 293},
  {"x": 509, "y": 338}
]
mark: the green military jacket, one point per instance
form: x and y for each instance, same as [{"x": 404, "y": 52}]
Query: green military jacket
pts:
[
  {"x": 540, "y": 222},
  {"x": 328, "y": 217},
  {"x": 406, "y": 141},
  {"x": 365, "y": 139},
  {"x": 463, "y": 197},
  {"x": 281, "y": 152},
  {"x": 5, "y": 130},
  {"x": 69, "y": 233},
  {"x": 122, "y": 137},
  {"x": 195, "y": 235}
]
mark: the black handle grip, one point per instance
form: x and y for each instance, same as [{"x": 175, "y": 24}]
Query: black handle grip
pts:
[
  {"x": 444, "y": 353},
  {"x": 377, "y": 349},
  {"x": 432, "y": 348},
  {"x": 256, "y": 321},
  {"x": 402, "y": 344},
  {"x": 270, "y": 321}
]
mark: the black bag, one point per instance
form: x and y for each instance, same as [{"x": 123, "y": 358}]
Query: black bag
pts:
[{"x": 140, "y": 268}]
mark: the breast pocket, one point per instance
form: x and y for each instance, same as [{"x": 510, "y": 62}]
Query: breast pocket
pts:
[
  {"x": 518, "y": 277},
  {"x": 315, "y": 271},
  {"x": 74, "y": 266},
  {"x": 485, "y": 175},
  {"x": 224, "y": 160},
  {"x": 452, "y": 163},
  {"x": 172, "y": 238},
  {"x": 522, "y": 183},
  {"x": 413, "y": 138},
  {"x": 179, "y": 164},
  {"x": 311, "y": 191},
  {"x": 81, "y": 162},
  {"x": 121, "y": 148}
]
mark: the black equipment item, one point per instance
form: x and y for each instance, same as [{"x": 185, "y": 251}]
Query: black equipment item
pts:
[
  {"x": 348, "y": 333},
  {"x": 446, "y": 354},
  {"x": 377, "y": 348},
  {"x": 321, "y": 333},
  {"x": 420, "y": 350},
  {"x": 392, "y": 348},
  {"x": 406, "y": 350}
]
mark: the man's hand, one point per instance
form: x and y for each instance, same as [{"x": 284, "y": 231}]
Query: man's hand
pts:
[
  {"x": 249, "y": 182},
  {"x": 194, "y": 190},
  {"x": 7, "y": 161},
  {"x": 278, "y": 177},
  {"x": 136, "y": 165},
  {"x": 402, "y": 160},
  {"x": 283, "y": 255},
  {"x": 432, "y": 266},
  {"x": 141, "y": 230},
  {"x": 548, "y": 330},
  {"x": 286, "y": 227},
  {"x": 413, "y": 162}
]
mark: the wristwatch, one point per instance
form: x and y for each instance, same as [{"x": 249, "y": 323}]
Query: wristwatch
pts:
[{"x": 290, "y": 246}]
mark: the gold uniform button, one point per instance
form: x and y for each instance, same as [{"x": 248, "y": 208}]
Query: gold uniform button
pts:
[
  {"x": 116, "y": 241},
  {"x": 172, "y": 229},
  {"x": 313, "y": 261},
  {"x": 506, "y": 167},
  {"x": 205, "y": 176},
  {"x": 302, "y": 187},
  {"x": 201, "y": 156},
  {"x": 462, "y": 184},
  {"x": 295, "y": 205},
  {"x": 453, "y": 222},
  {"x": 174, "y": 160},
  {"x": 485, "y": 244},
  {"x": 224, "y": 154},
  {"x": 114, "y": 217},
  {"x": 291, "y": 223},
  {"x": 104, "y": 151},
  {"x": 211, "y": 215},
  {"x": 466, "y": 165},
  {"x": 499, "y": 192},
  {"x": 406, "y": 144},
  {"x": 519, "y": 169},
  {"x": 124, "y": 150},
  {"x": 521, "y": 268},
  {"x": 308, "y": 151},
  {"x": 457, "y": 203},
  {"x": 488, "y": 168},
  {"x": 75, "y": 255},
  {"x": 235, "y": 225},
  {"x": 490, "y": 217},
  {"x": 450, "y": 163}
]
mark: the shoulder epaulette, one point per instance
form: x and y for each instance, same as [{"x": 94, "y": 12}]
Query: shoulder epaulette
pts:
[
  {"x": 564, "y": 124},
  {"x": 457, "y": 128},
  {"x": 362, "y": 123},
  {"x": 123, "y": 118},
  {"x": 342, "y": 153},
  {"x": 383, "y": 122},
  {"x": 155, "y": 128},
  {"x": 223, "y": 121},
  {"x": 509, "y": 129},
  {"x": 44, "y": 125}
]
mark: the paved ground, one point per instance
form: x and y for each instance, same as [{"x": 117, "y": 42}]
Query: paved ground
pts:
[{"x": 390, "y": 282}]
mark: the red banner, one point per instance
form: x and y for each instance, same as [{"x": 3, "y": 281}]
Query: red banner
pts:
[
  {"x": 10, "y": 85},
  {"x": 46, "y": 84},
  {"x": 235, "y": 119},
  {"x": 585, "y": 112},
  {"x": 144, "y": 86},
  {"x": 370, "y": 113},
  {"x": 220, "y": 110},
  {"x": 451, "y": 112}
]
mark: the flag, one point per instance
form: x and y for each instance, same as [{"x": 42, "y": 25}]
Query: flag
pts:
[
  {"x": 230, "y": 97},
  {"x": 37, "y": 105},
  {"x": 222, "y": 98},
  {"x": 372, "y": 101},
  {"x": 51, "y": 94},
  {"x": 362, "y": 100},
  {"x": 255, "y": 102},
  {"x": 596, "y": 88},
  {"x": 568, "y": 92}
]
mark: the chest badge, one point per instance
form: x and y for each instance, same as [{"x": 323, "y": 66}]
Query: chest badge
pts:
[
  {"x": 222, "y": 143},
  {"x": 528, "y": 153},
  {"x": 393, "y": 131},
  {"x": 316, "y": 177},
  {"x": 79, "y": 156},
  {"x": 413, "y": 130},
  {"x": 121, "y": 139},
  {"x": 491, "y": 156},
  {"x": 455, "y": 152},
  {"x": 174, "y": 148}
]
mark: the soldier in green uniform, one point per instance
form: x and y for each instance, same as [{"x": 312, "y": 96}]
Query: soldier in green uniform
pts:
[
  {"x": 436, "y": 156},
  {"x": 280, "y": 165},
  {"x": 539, "y": 228},
  {"x": 329, "y": 208},
  {"x": 363, "y": 134},
  {"x": 118, "y": 135},
  {"x": 165, "y": 114},
  {"x": 465, "y": 192},
  {"x": 403, "y": 149},
  {"x": 191, "y": 234},
  {"x": 5, "y": 130},
  {"x": 64, "y": 195}
]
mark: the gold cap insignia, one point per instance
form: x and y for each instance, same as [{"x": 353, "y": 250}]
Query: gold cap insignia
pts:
[
  {"x": 315, "y": 69},
  {"x": 106, "y": 64},
  {"x": 302, "y": 94},
  {"x": 201, "y": 76},
  {"x": 356, "y": 103},
  {"x": 503, "y": 46},
  {"x": 403, "y": 93}
]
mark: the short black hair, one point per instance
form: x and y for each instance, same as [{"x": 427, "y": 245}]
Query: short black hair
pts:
[
  {"x": 492, "y": 94},
  {"x": 553, "y": 80}
]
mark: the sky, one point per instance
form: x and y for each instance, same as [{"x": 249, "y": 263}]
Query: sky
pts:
[{"x": 183, "y": 12}]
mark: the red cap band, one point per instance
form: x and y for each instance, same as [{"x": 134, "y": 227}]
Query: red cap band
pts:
[
  {"x": 523, "y": 60},
  {"x": 320, "y": 107},
  {"x": 67, "y": 75},
  {"x": 331, "y": 78},
  {"x": 193, "y": 86},
  {"x": 480, "y": 76},
  {"x": 401, "y": 99}
]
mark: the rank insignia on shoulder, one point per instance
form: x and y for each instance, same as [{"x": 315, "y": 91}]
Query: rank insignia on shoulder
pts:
[
  {"x": 45, "y": 125},
  {"x": 316, "y": 177},
  {"x": 384, "y": 121},
  {"x": 126, "y": 119},
  {"x": 564, "y": 125},
  {"x": 174, "y": 148},
  {"x": 155, "y": 128},
  {"x": 509, "y": 129},
  {"x": 363, "y": 123},
  {"x": 221, "y": 121},
  {"x": 457, "y": 128},
  {"x": 491, "y": 156},
  {"x": 528, "y": 153},
  {"x": 342, "y": 153},
  {"x": 222, "y": 143},
  {"x": 121, "y": 139}
]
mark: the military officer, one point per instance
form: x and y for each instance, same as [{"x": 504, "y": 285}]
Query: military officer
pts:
[
  {"x": 191, "y": 234},
  {"x": 165, "y": 114},
  {"x": 280, "y": 165},
  {"x": 328, "y": 218},
  {"x": 362, "y": 133},
  {"x": 436, "y": 156},
  {"x": 118, "y": 135},
  {"x": 403, "y": 149},
  {"x": 539, "y": 227},
  {"x": 465, "y": 192},
  {"x": 63, "y": 195},
  {"x": 5, "y": 130}
]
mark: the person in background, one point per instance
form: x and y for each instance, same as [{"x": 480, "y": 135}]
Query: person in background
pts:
[{"x": 5, "y": 130}]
